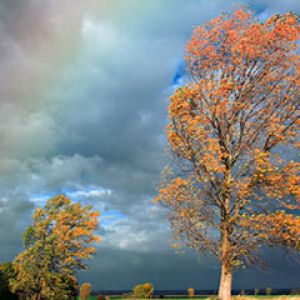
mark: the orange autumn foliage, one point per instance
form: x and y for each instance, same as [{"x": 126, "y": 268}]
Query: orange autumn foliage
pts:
[
  {"x": 232, "y": 130},
  {"x": 85, "y": 290}
]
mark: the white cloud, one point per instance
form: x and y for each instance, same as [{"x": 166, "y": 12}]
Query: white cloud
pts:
[{"x": 90, "y": 193}]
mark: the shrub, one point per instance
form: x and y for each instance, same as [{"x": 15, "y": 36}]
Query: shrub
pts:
[
  {"x": 191, "y": 292},
  {"x": 126, "y": 296},
  {"x": 142, "y": 291},
  {"x": 242, "y": 293},
  {"x": 268, "y": 291},
  {"x": 295, "y": 292},
  {"x": 6, "y": 274},
  {"x": 85, "y": 291}
]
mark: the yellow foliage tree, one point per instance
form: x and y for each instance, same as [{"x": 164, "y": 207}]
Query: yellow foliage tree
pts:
[
  {"x": 56, "y": 244},
  {"x": 85, "y": 290},
  {"x": 143, "y": 291},
  {"x": 191, "y": 292}
]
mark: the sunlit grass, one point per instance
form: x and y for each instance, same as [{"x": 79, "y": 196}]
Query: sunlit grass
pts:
[{"x": 263, "y": 297}]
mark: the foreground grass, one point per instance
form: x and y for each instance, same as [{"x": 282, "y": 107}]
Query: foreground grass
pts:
[
  {"x": 277, "y": 297},
  {"x": 262, "y": 297}
]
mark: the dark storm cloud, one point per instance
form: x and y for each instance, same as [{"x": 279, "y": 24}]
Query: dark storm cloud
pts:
[
  {"x": 15, "y": 214},
  {"x": 84, "y": 91},
  {"x": 175, "y": 270}
]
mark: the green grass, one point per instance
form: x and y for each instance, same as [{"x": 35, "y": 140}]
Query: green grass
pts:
[{"x": 205, "y": 297}]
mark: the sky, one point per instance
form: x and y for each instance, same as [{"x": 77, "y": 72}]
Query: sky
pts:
[{"x": 84, "y": 87}]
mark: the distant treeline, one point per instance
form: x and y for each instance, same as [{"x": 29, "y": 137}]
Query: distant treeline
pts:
[{"x": 181, "y": 293}]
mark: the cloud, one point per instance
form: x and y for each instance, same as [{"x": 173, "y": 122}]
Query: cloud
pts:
[
  {"x": 265, "y": 8},
  {"x": 89, "y": 193},
  {"x": 84, "y": 91}
]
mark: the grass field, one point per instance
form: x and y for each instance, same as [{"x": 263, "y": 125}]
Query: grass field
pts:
[{"x": 274, "y": 297}]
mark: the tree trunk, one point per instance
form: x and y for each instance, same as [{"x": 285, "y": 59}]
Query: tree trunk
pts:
[
  {"x": 226, "y": 266},
  {"x": 226, "y": 255},
  {"x": 225, "y": 283}
]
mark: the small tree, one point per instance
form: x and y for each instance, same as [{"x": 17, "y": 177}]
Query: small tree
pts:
[
  {"x": 143, "y": 290},
  {"x": 85, "y": 291},
  {"x": 191, "y": 292},
  {"x": 268, "y": 291},
  {"x": 232, "y": 188},
  {"x": 56, "y": 245}
]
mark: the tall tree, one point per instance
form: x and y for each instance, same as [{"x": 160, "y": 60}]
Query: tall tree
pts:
[
  {"x": 233, "y": 129},
  {"x": 56, "y": 244}
]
